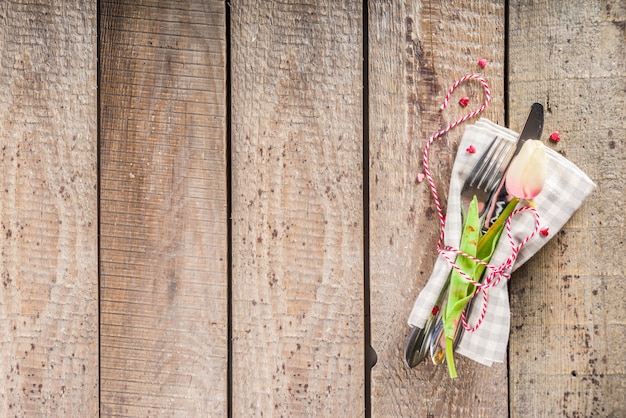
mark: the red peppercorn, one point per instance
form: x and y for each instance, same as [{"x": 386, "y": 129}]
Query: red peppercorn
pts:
[
  {"x": 463, "y": 101},
  {"x": 471, "y": 149},
  {"x": 555, "y": 136}
]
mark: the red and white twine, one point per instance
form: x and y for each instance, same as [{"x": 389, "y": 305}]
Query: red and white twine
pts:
[{"x": 496, "y": 272}]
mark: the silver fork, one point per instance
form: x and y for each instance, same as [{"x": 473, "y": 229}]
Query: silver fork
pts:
[
  {"x": 481, "y": 181},
  {"x": 486, "y": 175}
]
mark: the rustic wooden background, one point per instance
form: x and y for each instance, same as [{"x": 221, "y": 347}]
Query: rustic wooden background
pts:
[{"x": 210, "y": 208}]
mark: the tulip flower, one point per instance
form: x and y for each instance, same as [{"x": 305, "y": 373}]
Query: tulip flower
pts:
[{"x": 527, "y": 172}]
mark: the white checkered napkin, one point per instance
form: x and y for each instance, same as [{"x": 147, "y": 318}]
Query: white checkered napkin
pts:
[{"x": 565, "y": 189}]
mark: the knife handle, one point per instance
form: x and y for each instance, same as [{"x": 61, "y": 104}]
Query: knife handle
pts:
[{"x": 498, "y": 201}]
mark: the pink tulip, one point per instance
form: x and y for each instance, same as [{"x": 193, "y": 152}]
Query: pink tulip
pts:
[{"x": 527, "y": 172}]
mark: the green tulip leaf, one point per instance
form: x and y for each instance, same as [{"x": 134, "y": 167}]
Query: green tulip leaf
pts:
[
  {"x": 461, "y": 291},
  {"x": 489, "y": 241}
]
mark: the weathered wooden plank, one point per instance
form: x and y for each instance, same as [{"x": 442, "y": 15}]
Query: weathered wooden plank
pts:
[
  {"x": 417, "y": 49},
  {"x": 566, "y": 348},
  {"x": 163, "y": 209},
  {"x": 48, "y": 209},
  {"x": 297, "y": 208}
]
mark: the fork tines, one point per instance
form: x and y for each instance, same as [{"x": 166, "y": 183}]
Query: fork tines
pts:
[{"x": 484, "y": 174}]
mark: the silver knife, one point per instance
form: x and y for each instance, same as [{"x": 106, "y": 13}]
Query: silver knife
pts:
[{"x": 532, "y": 130}]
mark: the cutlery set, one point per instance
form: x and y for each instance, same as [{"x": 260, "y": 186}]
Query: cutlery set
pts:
[{"x": 486, "y": 181}]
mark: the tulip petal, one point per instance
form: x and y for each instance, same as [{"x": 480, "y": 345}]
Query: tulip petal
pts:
[{"x": 527, "y": 172}]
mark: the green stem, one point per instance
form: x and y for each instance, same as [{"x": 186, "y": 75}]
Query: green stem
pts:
[{"x": 450, "y": 357}]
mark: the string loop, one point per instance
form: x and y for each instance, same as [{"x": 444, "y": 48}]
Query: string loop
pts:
[{"x": 429, "y": 177}]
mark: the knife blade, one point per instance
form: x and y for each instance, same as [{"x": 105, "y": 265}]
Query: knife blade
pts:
[{"x": 532, "y": 130}]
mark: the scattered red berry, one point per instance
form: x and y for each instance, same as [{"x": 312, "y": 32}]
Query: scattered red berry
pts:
[
  {"x": 463, "y": 101},
  {"x": 544, "y": 231},
  {"x": 555, "y": 136},
  {"x": 420, "y": 177},
  {"x": 471, "y": 149},
  {"x": 482, "y": 62},
  {"x": 435, "y": 310}
]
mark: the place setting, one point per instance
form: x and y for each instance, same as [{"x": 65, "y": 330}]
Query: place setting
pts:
[{"x": 509, "y": 194}]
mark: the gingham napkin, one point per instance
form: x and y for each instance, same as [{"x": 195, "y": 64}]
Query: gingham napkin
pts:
[{"x": 565, "y": 190}]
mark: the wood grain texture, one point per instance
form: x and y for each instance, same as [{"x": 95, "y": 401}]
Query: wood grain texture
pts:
[
  {"x": 568, "y": 328},
  {"x": 297, "y": 208},
  {"x": 48, "y": 209},
  {"x": 163, "y": 209},
  {"x": 417, "y": 49}
]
